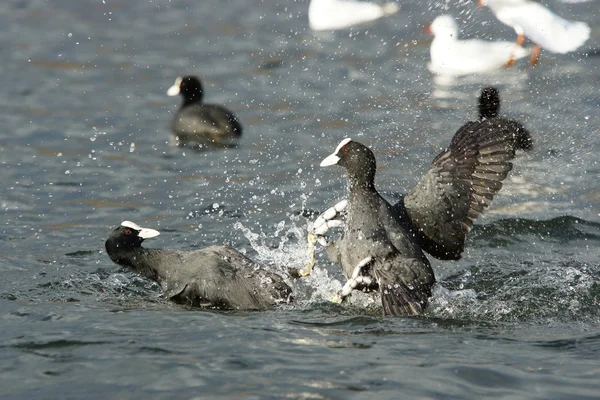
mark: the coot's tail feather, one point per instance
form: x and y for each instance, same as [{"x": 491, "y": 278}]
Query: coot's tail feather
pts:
[
  {"x": 398, "y": 300},
  {"x": 404, "y": 284}
]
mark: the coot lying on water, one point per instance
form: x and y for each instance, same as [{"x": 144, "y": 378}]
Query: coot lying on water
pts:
[
  {"x": 489, "y": 108},
  {"x": 381, "y": 247},
  {"x": 216, "y": 277},
  {"x": 199, "y": 124}
]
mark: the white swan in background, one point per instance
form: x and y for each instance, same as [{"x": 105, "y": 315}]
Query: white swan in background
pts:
[
  {"x": 339, "y": 14},
  {"x": 539, "y": 24},
  {"x": 455, "y": 57}
]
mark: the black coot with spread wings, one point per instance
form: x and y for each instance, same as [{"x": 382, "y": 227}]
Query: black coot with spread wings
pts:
[
  {"x": 215, "y": 277},
  {"x": 382, "y": 246}
]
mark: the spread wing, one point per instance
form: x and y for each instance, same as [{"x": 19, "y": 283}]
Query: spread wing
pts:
[{"x": 460, "y": 185}]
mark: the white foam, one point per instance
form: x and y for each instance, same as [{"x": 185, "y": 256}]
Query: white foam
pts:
[{"x": 292, "y": 253}]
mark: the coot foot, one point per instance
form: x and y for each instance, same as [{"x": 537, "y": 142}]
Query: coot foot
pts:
[
  {"x": 317, "y": 230},
  {"x": 358, "y": 277}
]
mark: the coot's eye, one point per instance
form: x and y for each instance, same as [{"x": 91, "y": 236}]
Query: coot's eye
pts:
[
  {"x": 346, "y": 151},
  {"x": 128, "y": 231}
]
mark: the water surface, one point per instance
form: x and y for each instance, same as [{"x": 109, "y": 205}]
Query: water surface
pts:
[{"x": 85, "y": 146}]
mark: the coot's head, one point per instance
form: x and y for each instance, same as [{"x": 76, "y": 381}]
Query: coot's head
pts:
[
  {"x": 127, "y": 236},
  {"x": 443, "y": 26},
  {"x": 189, "y": 87},
  {"x": 358, "y": 160},
  {"x": 489, "y": 103}
]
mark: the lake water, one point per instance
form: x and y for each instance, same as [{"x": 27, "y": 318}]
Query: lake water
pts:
[{"x": 84, "y": 146}]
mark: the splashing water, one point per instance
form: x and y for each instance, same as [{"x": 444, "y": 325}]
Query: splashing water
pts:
[
  {"x": 545, "y": 294},
  {"x": 278, "y": 249},
  {"x": 286, "y": 249}
]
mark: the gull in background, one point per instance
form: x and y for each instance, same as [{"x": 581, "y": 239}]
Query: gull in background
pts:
[
  {"x": 326, "y": 15},
  {"x": 451, "y": 56},
  {"x": 539, "y": 24}
]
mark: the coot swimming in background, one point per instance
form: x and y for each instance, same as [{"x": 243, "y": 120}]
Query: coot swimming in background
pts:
[
  {"x": 216, "y": 277},
  {"x": 197, "y": 124},
  {"x": 381, "y": 247},
  {"x": 489, "y": 108}
]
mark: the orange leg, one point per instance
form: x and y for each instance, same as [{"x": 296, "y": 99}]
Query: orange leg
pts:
[
  {"x": 511, "y": 60},
  {"x": 535, "y": 55},
  {"x": 520, "y": 39}
]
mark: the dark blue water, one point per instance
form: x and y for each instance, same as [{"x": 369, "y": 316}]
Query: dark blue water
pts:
[{"x": 84, "y": 146}]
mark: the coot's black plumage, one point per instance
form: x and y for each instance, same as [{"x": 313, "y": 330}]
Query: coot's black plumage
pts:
[
  {"x": 216, "y": 277},
  {"x": 200, "y": 124},
  {"x": 489, "y": 108},
  {"x": 435, "y": 216}
]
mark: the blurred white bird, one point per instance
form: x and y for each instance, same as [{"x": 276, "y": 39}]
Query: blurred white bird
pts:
[
  {"x": 451, "y": 56},
  {"x": 540, "y": 25},
  {"x": 339, "y": 14}
]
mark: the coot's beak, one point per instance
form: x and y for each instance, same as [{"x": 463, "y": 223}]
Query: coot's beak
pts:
[
  {"x": 428, "y": 30},
  {"x": 146, "y": 233},
  {"x": 173, "y": 90},
  {"x": 176, "y": 88},
  {"x": 331, "y": 159}
]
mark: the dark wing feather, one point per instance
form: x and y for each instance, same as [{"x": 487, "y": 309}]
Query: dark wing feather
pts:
[
  {"x": 459, "y": 186},
  {"x": 404, "y": 284},
  {"x": 523, "y": 140}
]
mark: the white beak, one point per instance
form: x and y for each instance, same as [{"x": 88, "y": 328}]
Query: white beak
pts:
[
  {"x": 173, "y": 90},
  {"x": 331, "y": 159},
  {"x": 146, "y": 233},
  {"x": 176, "y": 88}
]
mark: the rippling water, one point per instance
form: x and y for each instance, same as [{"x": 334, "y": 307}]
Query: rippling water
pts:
[{"x": 84, "y": 146}]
